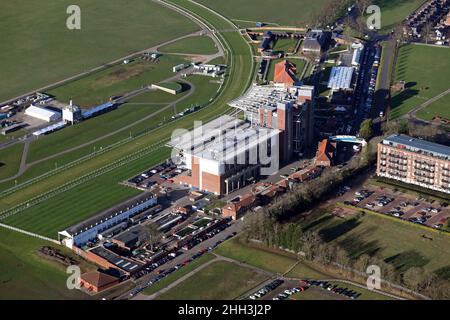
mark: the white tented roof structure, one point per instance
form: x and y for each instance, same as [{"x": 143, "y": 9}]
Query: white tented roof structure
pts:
[
  {"x": 42, "y": 113},
  {"x": 357, "y": 53},
  {"x": 340, "y": 78}
]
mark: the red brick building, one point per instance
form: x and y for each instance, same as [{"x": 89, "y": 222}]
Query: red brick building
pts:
[
  {"x": 285, "y": 73},
  {"x": 95, "y": 281},
  {"x": 325, "y": 153},
  {"x": 415, "y": 161},
  {"x": 236, "y": 209}
]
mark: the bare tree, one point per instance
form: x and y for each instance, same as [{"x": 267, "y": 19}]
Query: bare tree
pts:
[
  {"x": 151, "y": 235},
  {"x": 427, "y": 31}
]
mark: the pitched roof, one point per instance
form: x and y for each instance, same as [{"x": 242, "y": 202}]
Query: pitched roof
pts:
[
  {"x": 325, "y": 151},
  {"x": 98, "y": 279},
  {"x": 285, "y": 72},
  {"x": 244, "y": 202}
]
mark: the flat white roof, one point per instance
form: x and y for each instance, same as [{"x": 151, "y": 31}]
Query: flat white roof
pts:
[
  {"x": 222, "y": 138},
  {"x": 340, "y": 78},
  {"x": 41, "y": 112},
  {"x": 268, "y": 96}
]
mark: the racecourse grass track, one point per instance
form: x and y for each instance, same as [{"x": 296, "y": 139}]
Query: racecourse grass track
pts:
[
  {"x": 240, "y": 68},
  {"x": 138, "y": 107},
  {"x": 221, "y": 280},
  {"x": 191, "y": 45},
  {"x": 117, "y": 80},
  {"x": 10, "y": 160},
  {"x": 25, "y": 275},
  {"x": 283, "y": 12},
  {"x": 426, "y": 74},
  {"x": 42, "y": 50},
  {"x": 85, "y": 200},
  {"x": 86, "y": 131}
]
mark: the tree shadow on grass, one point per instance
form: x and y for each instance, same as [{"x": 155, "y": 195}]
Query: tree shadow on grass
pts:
[
  {"x": 407, "y": 259},
  {"x": 184, "y": 86},
  {"x": 443, "y": 272},
  {"x": 356, "y": 246},
  {"x": 332, "y": 233},
  {"x": 317, "y": 222},
  {"x": 400, "y": 98}
]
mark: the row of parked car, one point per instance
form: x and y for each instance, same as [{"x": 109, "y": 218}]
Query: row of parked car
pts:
[
  {"x": 352, "y": 294},
  {"x": 266, "y": 289},
  {"x": 288, "y": 292},
  {"x": 163, "y": 273}
]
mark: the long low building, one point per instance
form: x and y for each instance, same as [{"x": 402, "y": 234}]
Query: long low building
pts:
[
  {"x": 415, "y": 161},
  {"x": 42, "y": 113},
  {"x": 86, "y": 231}
]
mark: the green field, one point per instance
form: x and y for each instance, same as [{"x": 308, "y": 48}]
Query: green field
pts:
[
  {"x": 178, "y": 274},
  {"x": 191, "y": 45},
  {"x": 397, "y": 242},
  {"x": 86, "y": 131},
  {"x": 285, "y": 45},
  {"x": 10, "y": 160},
  {"x": 94, "y": 195},
  {"x": 283, "y": 12},
  {"x": 59, "y": 210},
  {"x": 425, "y": 72},
  {"x": 440, "y": 108},
  {"x": 25, "y": 275},
  {"x": 138, "y": 107},
  {"x": 42, "y": 50},
  {"x": 220, "y": 280},
  {"x": 260, "y": 257},
  {"x": 117, "y": 80},
  {"x": 395, "y": 11}
]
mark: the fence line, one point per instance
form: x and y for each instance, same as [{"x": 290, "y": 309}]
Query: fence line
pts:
[{"x": 35, "y": 235}]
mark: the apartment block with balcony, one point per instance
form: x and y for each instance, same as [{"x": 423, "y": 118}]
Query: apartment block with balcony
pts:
[{"x": 415, "y": 161}]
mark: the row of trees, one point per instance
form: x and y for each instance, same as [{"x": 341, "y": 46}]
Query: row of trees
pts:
[
  {"x": 311, "y": 246},
  {"x": 302, "y": 196}
]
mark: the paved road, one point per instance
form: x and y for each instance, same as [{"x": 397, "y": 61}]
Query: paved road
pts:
[
  {"x": 202, "y": 58},
  {"x": 234, "y": 227},
  {"x": 270, "y": 275},
  {"x": 24, "y": 166}
]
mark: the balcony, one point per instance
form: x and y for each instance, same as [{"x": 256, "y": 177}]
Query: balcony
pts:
[
  {"x": 424, "y": 169},
  {"x": 398, "y": 168},
  {"x": 396, "y": 174},
  {"x": 397, "y": 156}
]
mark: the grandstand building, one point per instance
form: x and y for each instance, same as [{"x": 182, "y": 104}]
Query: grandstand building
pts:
[
  {"x": 415, "y": 161},
  {"x": 226, "y": 154},
  {"x": 88, "y": 230},
  {"x": 288, "y": 109}
]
